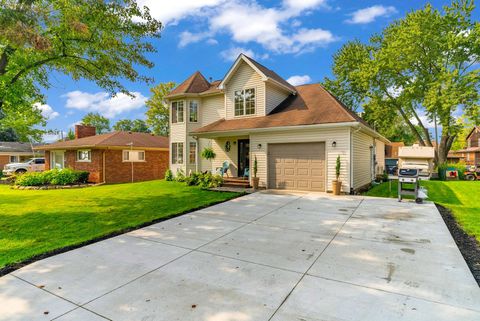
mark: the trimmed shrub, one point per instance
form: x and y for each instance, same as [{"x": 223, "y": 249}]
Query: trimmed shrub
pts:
[
  {"x": 168, "y": 175},
  {"x": 30, "y": 179},
  {"x": 442, "y": 169},
  {"x": 180, "y": 177},
  {"x": 208, "y": 180},
  {"x": 64, "y": 176}
]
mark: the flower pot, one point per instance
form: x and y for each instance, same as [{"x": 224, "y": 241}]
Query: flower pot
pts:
[
  {"x": 337, "y": 187},
  {"x": 255, "y": 181}
]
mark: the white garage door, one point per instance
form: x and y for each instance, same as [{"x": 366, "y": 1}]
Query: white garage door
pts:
[{"x": 297, "y": 166}]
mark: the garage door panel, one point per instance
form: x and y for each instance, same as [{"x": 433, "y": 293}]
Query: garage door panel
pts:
[{"x": 297, "y": 166}]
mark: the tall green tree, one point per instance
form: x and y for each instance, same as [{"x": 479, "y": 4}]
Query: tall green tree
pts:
[
  {"x": 424, "y": 65},
  {"x": 158, "y": 111},
  {"x": 101, "y": 124},
  {"x": 101, "y": 41},
  {"x": 136, "y": 125}
]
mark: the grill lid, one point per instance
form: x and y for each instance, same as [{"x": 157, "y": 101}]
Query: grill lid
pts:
[{"x": 407, "y": 172}]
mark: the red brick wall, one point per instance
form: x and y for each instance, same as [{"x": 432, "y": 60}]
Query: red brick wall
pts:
[
  {"x": 94, "y": 167},
  {"x": 4, "y": 160},
  {"x": 117, "y": 171}
]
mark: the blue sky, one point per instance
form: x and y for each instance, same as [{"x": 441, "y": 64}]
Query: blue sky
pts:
[{"x": 296, "y": 38}]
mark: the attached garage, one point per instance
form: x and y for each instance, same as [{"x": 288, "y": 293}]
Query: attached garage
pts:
[{"x": 297, "y": 166}]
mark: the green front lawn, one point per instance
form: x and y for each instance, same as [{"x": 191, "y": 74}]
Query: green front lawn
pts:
[
  {"x": 37, "y": 222},
  {"x": 461, "y": 197}
]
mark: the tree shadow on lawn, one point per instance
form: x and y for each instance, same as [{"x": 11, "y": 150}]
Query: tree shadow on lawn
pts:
[{"x": 53, "y": 232}]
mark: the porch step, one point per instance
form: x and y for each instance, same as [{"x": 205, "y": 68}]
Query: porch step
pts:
[{"x": 235, "y": 182}]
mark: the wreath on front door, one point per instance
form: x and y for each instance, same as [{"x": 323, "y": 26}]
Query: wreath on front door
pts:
[{"x": 227, "y": 146}]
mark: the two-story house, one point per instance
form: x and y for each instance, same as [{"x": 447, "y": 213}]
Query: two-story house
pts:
[
  {"x": 471, "y": 153},
  {"x": 294, "y": 132}
]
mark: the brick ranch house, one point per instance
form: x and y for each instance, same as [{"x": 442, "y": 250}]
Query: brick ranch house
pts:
[
  {"x": 16, "y": 152},
  {"x": 116, "y": 157},
  {"x": 296, "y": 133}
]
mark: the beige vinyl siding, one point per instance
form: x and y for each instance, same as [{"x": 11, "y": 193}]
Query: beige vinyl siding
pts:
[
  {"x": 177, "y": 135},
  {"x": 274, "y": 96},
  {"x": 204, "y": 165},
  {"x": 212, "y": 108},
  {"x": 222, "y": 155},
  {"x": 361, "y": 159},
  {"x": 380, "y": 156},
  {"x": 245, "y": 77},
  {"x": 339, "y": 135}
]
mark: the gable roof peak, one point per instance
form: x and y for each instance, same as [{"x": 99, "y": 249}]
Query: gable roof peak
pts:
[
  {"x": 267, "y": 74},
  {"x": 194, "y": 84}
]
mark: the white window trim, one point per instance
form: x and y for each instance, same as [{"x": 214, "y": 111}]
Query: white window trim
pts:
[
  {"x": 176, "y": 156},
  {"x": 134, "y": 159},
  {"x": 83, "y": 161},
  {"x": 189, "y": 149},
  {"x": 184, "y": 111},
  {"x": 198, "y": 114},
  {"x": 245, "y": 103}
]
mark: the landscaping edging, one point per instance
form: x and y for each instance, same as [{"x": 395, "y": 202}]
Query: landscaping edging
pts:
[
  {"x": 44, "y": 187},
  {"x": 15, "y": 266},
  {"x": 468, "y": 245}
]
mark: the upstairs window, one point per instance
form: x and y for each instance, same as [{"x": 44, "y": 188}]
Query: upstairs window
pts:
[
  {"x": 177, "y": 153},
  {"x": 244, "y": 102},
  {"x": 177, "y": 112},
  {"x": 193, "y": 111},
  {"x": 84, "y": 155},
  {"x": 133, "y": 156}
]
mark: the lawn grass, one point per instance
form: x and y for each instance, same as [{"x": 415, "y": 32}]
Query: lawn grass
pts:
[
  {"x": 461, "y": 197},
  {"x": 35, "y": 222}
]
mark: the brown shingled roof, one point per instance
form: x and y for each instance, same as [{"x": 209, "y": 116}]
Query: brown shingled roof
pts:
[
  {"x": 270, "y": 73},
  {"x": 194, "y": 84},
  {"x": 312, "y": 105},
  {"x": 117, "y": 139}
]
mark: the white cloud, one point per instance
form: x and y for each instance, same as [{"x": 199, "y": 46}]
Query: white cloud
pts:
[
  {"x": 232, "y": 53},
  {"x": 298, "y": 80},
  {"x": 170, "y": 13},
  {"x": 187, "y": 38},
  {"x": 300, "y": 5},
  {"x": 103, "y": 103},
  {"x": 47, "y": 111},
  {"x": 367, "y": 15},
  {"x": 267, "y": 26},
  {"x": 275, "y": 28},
  {"x": 212, "y": 41}
]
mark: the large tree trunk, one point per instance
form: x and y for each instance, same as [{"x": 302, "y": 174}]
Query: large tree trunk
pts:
[{"x": 444, "y": 147}]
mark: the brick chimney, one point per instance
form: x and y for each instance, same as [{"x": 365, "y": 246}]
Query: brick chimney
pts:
[{"x": 84, "y": 131}]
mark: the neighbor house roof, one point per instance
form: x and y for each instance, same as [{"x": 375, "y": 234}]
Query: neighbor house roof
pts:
[
  {"x": 473, "y": 130},
  {"x": 312, "y": 104},
  {"x": 113, "y": 139},
  {"x": 15, "y": 147}
]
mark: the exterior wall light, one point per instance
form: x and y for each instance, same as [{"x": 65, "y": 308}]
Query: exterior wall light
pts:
[
  {"x": 259, "y": 146},
  {"x": 334, "y": 144}
]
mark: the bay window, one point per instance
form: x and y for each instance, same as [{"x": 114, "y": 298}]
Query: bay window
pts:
[
  {"x": 177, "y": 112},
  {"x": 177, "y": 153}
]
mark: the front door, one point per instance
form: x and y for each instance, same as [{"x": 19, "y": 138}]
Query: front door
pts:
[{"x": 243, "y": 156}]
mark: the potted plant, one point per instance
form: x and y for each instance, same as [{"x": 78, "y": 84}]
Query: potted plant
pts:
[
  {"x": 255, "y": 179},
  {"x": 337, "y": 184},
  {"x": 208, "y": 153}
]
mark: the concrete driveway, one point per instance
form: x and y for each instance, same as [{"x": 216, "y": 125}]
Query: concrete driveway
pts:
[{"x": 259, "y": 257}]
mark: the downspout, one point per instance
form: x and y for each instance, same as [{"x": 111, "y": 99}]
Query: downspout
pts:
[
  {"x": 103, "y": 166},
  {"x": 350, "y": 167}
]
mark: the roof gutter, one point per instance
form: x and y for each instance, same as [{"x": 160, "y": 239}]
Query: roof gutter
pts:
[
  {"x": 46, "y": 147},
  {"x": 373, "y": 133},
  {"x": 273, "y": 129}
]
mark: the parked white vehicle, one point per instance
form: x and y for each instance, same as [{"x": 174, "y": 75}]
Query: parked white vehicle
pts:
[{"x": 31, "y": 165}]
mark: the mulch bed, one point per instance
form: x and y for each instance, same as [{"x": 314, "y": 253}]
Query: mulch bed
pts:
[{"x": 468, "y": 245}]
